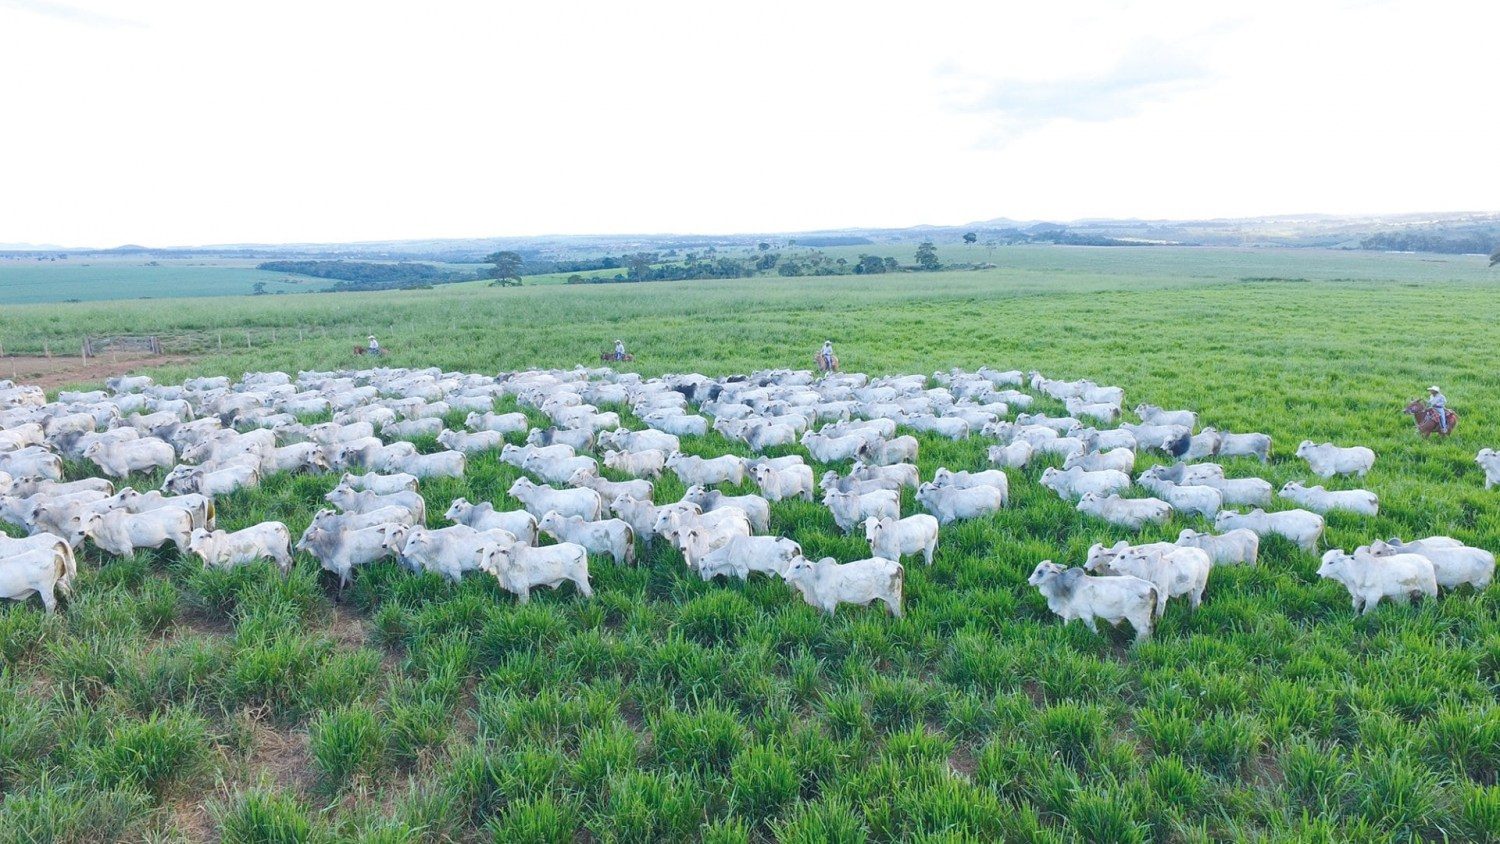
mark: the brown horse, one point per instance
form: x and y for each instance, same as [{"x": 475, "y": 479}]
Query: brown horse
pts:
[
  {"x": 607, "y": 357},
  {"x": 1427, "y": 419},
  {"x": 824, "y": 364}
]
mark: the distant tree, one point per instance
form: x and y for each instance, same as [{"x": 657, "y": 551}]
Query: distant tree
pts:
[
  {"x": 575, "y": 278},
  {"x": 790, "y": 267},
  {"x": 507, "y": 269},
  {"x": 762, "y": 246},
  {"x": 639, "y": 265},
  {"x": 767, "y": 261},
  {"x": 989, "y": 247},
  {"x": 891, "y": 264},
  {"x": 258, "y": 288},
  {"x": 1495, "y": 258},
  {"x": 869, "y": 265},
  {"x": 970, "y": 237},
  {"x": 927, "y": 258}
]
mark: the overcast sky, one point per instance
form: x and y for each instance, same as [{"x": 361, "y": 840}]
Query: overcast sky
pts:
[{"x": 175, "y": 123}]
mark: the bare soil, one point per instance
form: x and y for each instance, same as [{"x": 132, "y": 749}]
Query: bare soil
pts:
[{"x": 58, "y": 371}]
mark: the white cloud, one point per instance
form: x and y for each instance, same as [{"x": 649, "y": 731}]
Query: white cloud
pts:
[{"x": 284, "y": 121}]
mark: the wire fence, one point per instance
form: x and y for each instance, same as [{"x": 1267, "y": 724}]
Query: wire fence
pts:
[{"x": 89, "y": 346}]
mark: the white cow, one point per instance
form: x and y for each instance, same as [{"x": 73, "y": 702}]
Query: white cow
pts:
[
  {"x": 1242, "y": 445},
  {"x": 851, "y": 508},
  {"x": 1369, "y": 578},
  {"x": 448, "y": 551},
  {"x": 439, "y": 464},
  {"x": 1013, "y": 456},
  {"x": 1320, "y": 500},
  {"x": 1101, "y": 557},
  {"x": 557, "y": 470},
  {"x": 781, "y": 484},
  {"x": 1132, "y": 513},
  {"x": 944, "y": 478},
  {"x": 610, "y": 490},
  {"x": 1241, "y": 491},
  {"x": 894, "y": 539},
  {"x": 1182, "y": 571},
  {"x": 539, "y": 499},
  {"x": 1300, "y": 526},
  {"x": 1454, "y": 565},
  {"x": 519, "y": 568},
  {"x": 696, "y": 533},
  {"x": 647, "y": 463},
  {"x": 484, "y": 517},
  {"x": 500, "y": 423},
  {"x": 624, "y": 440},
  {"x": 1327, "y": 460},
  {"x": 677, "y": 424},
  {"x": 827, "y": 449},
  {"x": 1153, "y": 415},
  {"x": 904, "y": 474},
  {"x": 411, "y": 428},
  {"x": 826, "y": 583},
  {"x": 339, "y": 550},
  {"x": 1118, "y": 459},
  {"x": 756, "y": 508},
  {"x": 612, "y": 537},
  {"x": 1202, "y": 500},
  {"x": 122, "y": 532},
  {"x": 1071, "y": 593},
  {"x": 119, "y": 459},
  {"x": 223, "y": 479},
  {"x": 378, "y": 483},
  {"x": 41, "y": 570},
  {"x": 693, "y": 470},
  {"x": 742, "y": 555},
  {"x": 886, "y": 452},
  {"x": 949, "y": 504},
  {"x": 1489, "y": 461},
  {"x": 363, "y": 502},
  {"x": 471, "y": 443},
  {"x": 1234, "y": 547},
  {"x": 267, "y": 540},
  {"x": 1075, "y": 482}
]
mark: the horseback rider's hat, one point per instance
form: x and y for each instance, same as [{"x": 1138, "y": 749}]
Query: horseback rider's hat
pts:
[{"x": 1433, "y": 389}]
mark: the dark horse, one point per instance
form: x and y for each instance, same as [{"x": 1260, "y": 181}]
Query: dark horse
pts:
[
  {"x": 1427, "y": 419},
  {"x": 606, "y": 357}
]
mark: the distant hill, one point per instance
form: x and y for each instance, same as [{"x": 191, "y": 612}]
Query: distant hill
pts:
[{"x": 1443, "y": 232}]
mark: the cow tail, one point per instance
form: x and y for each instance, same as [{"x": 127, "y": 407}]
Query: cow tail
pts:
[
  {"x": 630, "y": 545},
  {"x": 898, "y": 583}
]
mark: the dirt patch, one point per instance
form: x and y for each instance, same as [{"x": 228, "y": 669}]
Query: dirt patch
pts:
[{"x": 59, "y": 371}]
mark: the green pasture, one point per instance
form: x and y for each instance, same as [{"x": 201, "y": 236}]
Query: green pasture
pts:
[{"x": 167, "y": 703}]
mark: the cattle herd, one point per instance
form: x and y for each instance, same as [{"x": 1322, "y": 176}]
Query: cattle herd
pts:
[{"x": 212, "y": 437}]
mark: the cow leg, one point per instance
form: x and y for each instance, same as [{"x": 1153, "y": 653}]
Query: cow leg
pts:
[{"x": 49, "y": 598}]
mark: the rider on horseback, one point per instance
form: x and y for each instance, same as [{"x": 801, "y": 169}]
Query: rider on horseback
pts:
[
  {"x": 1439, "y": 405},
  {"x": 826, "y": 356},
  {"x": 619, "y": 349},
  {"x": 374, "y": 346}
]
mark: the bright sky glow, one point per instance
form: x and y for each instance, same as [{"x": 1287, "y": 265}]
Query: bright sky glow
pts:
[{"x": 175, "y": 123}]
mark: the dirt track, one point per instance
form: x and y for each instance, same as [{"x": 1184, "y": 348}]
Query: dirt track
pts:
[{"x": 58, "y": 371}]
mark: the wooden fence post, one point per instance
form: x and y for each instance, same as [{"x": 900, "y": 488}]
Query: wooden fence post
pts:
[{"x": 46, "y": 348}]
